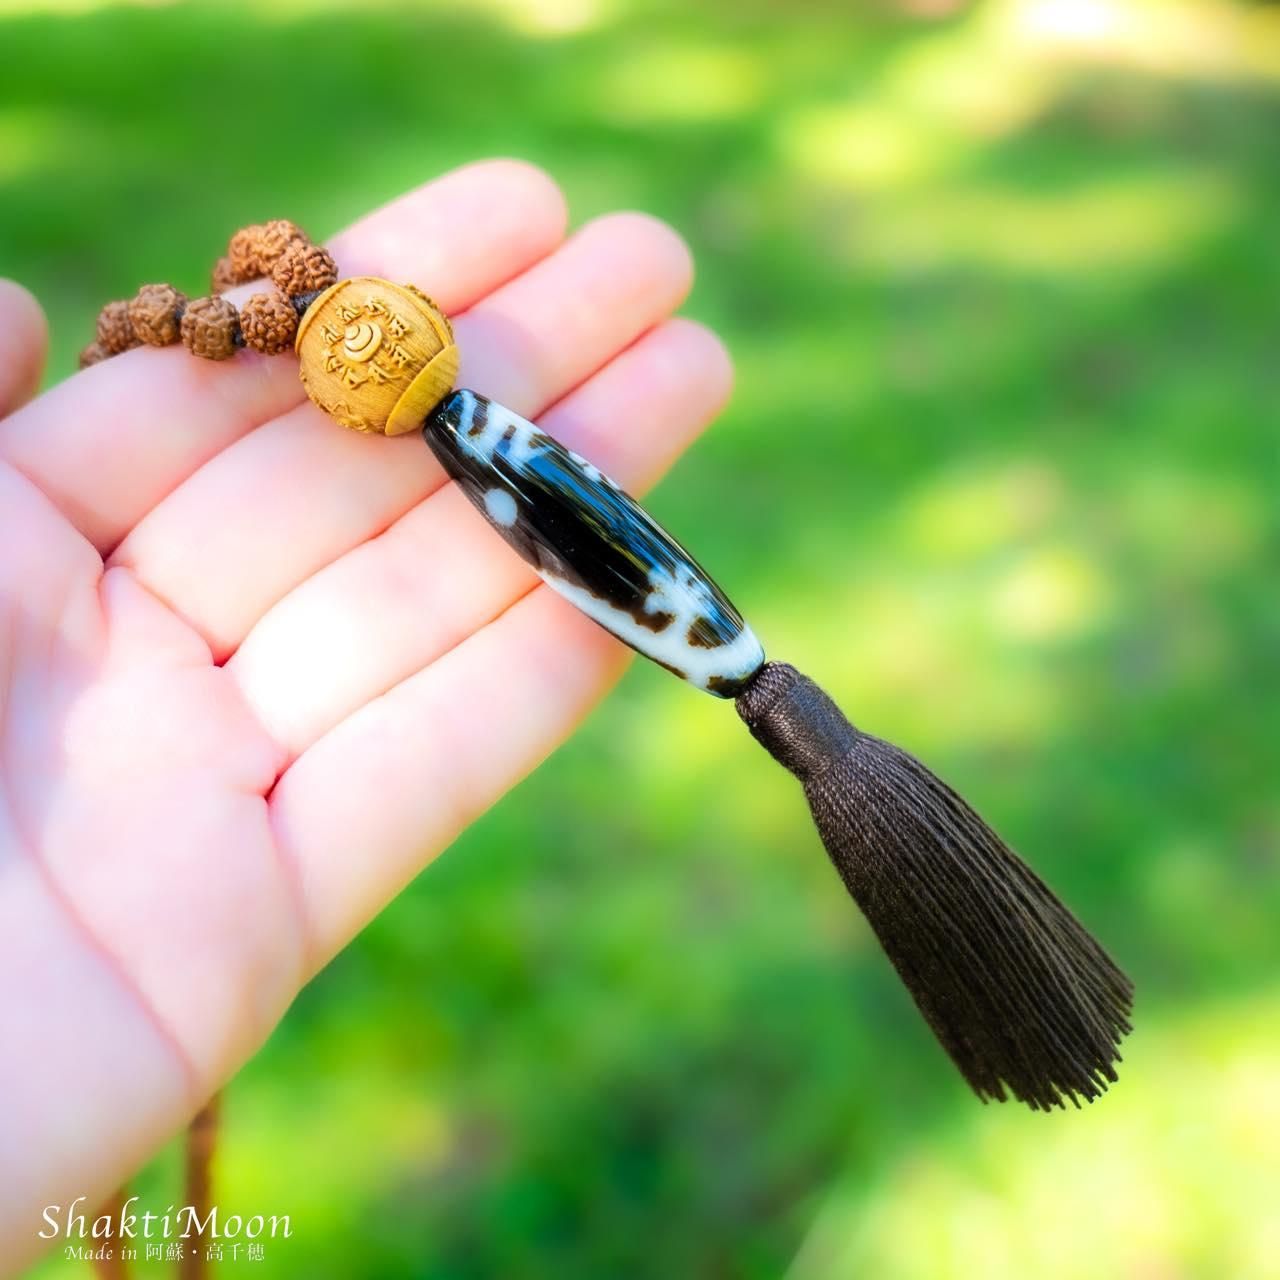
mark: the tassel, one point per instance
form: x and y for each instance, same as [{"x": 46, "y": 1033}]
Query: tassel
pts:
[
  {"x": 1015, "y": 989},
  {"x": 1018, "y": 993}
]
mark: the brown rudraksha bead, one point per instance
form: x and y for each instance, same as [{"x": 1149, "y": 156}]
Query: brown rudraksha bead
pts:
[
  {"x": 115, "y": 329},
  {"x": 268, "y": 323},
  {"x": 209, "y": 328},
  {"x": 243, "y": 250},
  {"x": 94, "y": 353},
  {"x": 224, "y": 275},
  {"x": 156, "y": 314},
  {"x": 303, "y": 268},
  {"x": 277, "y": 237}
]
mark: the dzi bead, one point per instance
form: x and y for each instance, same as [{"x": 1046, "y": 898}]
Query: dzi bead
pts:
[{"x": 593, "y": 543}]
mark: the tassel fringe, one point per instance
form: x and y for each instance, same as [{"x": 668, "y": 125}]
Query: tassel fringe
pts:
[{"x": 1013, "y": 986}]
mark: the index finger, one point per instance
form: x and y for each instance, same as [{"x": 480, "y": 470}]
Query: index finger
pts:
[{"x": 110, "y": 443}]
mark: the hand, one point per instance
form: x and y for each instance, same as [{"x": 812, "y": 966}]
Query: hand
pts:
[{"x": 259, "y": 669}]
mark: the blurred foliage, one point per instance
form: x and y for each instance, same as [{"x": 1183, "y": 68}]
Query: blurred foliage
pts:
[{"x": 1002, "y": 470}]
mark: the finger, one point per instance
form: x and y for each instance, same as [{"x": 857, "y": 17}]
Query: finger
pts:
[
  {"x": 110, "y": 443},
  {"x": 285, "y": 501},
  {"x": 365, "y": 808},
  {"x": 396, "y": 603},
  {"x": 24, "y": 342}
]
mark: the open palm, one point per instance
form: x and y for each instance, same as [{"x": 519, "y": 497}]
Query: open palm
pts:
[{"x": 258, "y": 670}]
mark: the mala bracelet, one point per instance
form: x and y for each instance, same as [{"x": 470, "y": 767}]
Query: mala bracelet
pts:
[
  {"x": 1015, "y": 989},
  {"x": 159, "y": 315},
  {"x": 376, "y": 357}
]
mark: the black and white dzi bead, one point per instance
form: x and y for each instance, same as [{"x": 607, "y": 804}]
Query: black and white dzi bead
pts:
[{"x": 593, "y": 543}]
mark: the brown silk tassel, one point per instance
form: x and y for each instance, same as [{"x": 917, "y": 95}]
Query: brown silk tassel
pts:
[{"x": 1016, "y": 990}]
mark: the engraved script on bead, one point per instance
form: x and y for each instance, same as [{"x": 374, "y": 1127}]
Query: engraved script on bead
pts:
[
  {"x": 362, "y": 342},
  {"x": 372, "y": 352}
]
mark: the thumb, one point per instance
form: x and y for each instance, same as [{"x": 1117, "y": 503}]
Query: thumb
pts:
[{"x": 24, "y": 339}]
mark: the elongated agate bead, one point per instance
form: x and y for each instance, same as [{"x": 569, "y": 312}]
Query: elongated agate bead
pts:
[{"x": 593, "y": 543}]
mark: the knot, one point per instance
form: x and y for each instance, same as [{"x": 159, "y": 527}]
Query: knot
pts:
[{"x": 794, "y": 720}]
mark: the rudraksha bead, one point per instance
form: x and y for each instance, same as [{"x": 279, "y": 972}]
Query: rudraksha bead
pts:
[
  {"x": 268, "y": 323},
  {"x": 209, "y": 328},
  {"x": 115, "y": 329},
  {"x": 94, "y": 353},
  {"x": 224, "y": 275},
  {"x": 304, "y": 267},
  {"x": 243, "y": 250},
  {"x": 156, "y": 314},
  {"x": 276, "y": 237}
]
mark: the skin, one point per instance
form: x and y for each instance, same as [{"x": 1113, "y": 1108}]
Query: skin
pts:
[{"x": 257, "y": 671}]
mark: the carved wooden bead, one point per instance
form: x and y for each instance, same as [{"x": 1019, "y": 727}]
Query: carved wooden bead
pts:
[
  {"x": 115, "y": 329},
  {"x": 303, "y": 268},
  {"x": 268, "y": 323},
  {"x": 94, "y": 353},
  {"x": 376, "y": 356},
  {"x": 224, "y": 275},
  {"x": 209, "y": 328},
  {"x": 156, "y": 314}
]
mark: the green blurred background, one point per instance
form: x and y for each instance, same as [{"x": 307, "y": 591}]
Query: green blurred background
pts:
[{"x": 1002, "y": 282}]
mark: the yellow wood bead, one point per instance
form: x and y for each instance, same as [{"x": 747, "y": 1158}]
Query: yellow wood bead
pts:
[{"x": 376, "y": 356}]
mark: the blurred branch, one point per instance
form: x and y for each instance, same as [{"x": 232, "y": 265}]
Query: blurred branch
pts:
[{"x": 202, "y": 1136}]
